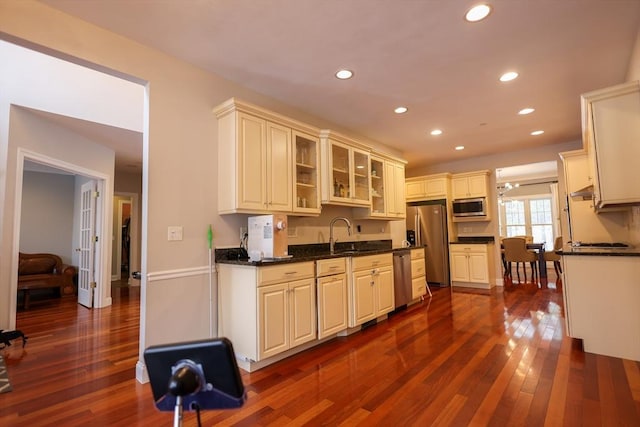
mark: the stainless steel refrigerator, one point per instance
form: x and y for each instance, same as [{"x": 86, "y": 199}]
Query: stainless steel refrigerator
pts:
[{"x": 427, "y": 225}]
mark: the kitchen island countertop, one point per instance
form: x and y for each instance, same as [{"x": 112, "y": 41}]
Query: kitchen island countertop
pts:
[{"x": 595, "y": 251}]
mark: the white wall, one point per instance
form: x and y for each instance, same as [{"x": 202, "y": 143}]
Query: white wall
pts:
[
  {"x": 29, "y": 135},
  {"x": 180, "y": 157},
  {"x": 46, "y": 222},
  {"x": 633, "y": 72}
]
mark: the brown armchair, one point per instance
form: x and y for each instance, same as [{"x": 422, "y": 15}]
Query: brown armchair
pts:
[
  {"x": 515, "y": 250},
  {"x": 42, "y": 271}
]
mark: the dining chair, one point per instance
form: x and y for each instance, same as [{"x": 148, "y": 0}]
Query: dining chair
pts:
[
  {"x": 553, "y": 256},
  {"x": 515, "y": 250},
  {"x": 527, "y": 239}
]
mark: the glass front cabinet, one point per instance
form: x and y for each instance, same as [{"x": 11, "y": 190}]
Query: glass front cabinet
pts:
[
  {"x": 347, "y": 171},
  {"x": 387, "y": 189},
  {"x": 307, "y": 175}
]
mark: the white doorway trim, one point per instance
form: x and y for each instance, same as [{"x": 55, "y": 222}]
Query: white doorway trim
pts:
[{"x": 102, "y": 295}]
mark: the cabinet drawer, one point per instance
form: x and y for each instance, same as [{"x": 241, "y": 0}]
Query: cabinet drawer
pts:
[
  {"x": 481, "y": 249},
  {"x": 325, "y": 267},
  {"x": 417, "y": 253},
  {"x": 417, "y": 267},
  {"x": 418, "y": 287},
  {"x": 372, "y": 261},
  {"x": 284, "y": 273}
]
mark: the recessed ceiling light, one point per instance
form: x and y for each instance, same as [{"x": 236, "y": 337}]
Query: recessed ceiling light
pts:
[
  {"x": 507, "y": 77},
  {"x": 460, "y": 147},
  {"x": 537, "y": 132},
  {"x": 527, "y": 110},
  {"x": 400, "y": 110},
  {"x": 478, "y": 13},
  {"x": 344, "y": 74},
  {"x": 436, "y": 132}
]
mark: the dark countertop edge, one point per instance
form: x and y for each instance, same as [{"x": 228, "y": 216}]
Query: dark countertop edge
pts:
[
  {"x": 305, "y": 258},
  {"x": 474, "y": 242},
  {"x": 595, "y": 252}
]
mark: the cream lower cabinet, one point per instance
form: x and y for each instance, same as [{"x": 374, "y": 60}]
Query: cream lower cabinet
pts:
[
  {"x": 371, "y": 289},
  {"x": 601, "y": 295},
  {"x": 332, "y": 296},
  {"x": 418, "y": 273},
  {"x": 472, "y": 265},
  {"x": 286, "y": 315},
  {"x": 265, "y": 311}
]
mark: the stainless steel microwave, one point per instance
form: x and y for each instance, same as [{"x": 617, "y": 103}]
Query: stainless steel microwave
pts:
[{"x": 470, "y": 207}]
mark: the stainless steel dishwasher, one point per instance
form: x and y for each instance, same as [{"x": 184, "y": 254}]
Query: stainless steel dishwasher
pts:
[{"x": 402, "y": 277}]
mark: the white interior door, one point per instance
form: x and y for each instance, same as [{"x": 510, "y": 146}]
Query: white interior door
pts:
[{"x": 87, "y": 243}]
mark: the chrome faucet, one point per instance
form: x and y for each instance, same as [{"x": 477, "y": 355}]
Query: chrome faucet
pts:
[{"x": 332, "y": 242}]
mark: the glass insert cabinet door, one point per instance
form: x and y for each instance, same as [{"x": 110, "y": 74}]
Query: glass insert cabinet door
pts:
[
  {"x": 307, "y": 195},
  {"x": 350, "y": 169},
  {"x": 341, "y": 169},
  {"x": 378, "y": 206},
  {"x": 361, "y": 184}
]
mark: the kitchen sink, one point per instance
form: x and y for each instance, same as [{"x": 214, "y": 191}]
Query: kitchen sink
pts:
[{"x": 347, "y": 252}]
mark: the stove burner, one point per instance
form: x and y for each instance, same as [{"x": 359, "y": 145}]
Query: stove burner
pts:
[{"x": 601, "y": 245}]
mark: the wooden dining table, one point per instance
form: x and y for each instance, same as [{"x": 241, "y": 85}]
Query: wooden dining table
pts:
[{"x": 542, "y": 264}]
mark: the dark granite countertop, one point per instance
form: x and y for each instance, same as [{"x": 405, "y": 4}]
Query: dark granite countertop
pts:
[
  {"x": 474, "y": 240},
  {"x": 311, "y": 252},
  {"x": 591, "y": 251}
]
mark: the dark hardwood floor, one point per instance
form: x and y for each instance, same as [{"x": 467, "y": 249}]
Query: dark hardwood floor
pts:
[{"x": 472, "y": 358}]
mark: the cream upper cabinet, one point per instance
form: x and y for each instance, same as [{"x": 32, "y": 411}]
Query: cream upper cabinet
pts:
[
  {"x": 257, "y": 166},
  {"x": 395, "y": 189},
  {"x": 467, "y": 185},
  {"x": 379, "y": 182},
  {"x": 387, "y": 190},
  {"x": 577, "y": 172},
  {"x": 346, "y": 176},
  {"x": 430, "y": 187},
  {"x": 472, "y": 265},
  {"x": 307, "y": 174},
  {"x": 611, "y": 131},
  {"x": 278, "y": 173}
]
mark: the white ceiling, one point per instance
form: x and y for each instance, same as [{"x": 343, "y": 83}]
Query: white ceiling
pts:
[
  {"x": 420, "y": 54},
  {"x": 127, "y": 144},
  {"x": 528, "y": 172}
]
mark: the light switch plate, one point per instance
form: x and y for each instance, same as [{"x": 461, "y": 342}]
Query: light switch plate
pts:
[{"x": 174, "y": 232}]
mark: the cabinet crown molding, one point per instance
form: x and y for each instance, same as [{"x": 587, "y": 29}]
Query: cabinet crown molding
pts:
[
  {"x": 235, "y": 104},
  {"x": 330, "y": 134},
  {"x": 480, "y": 172}
]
